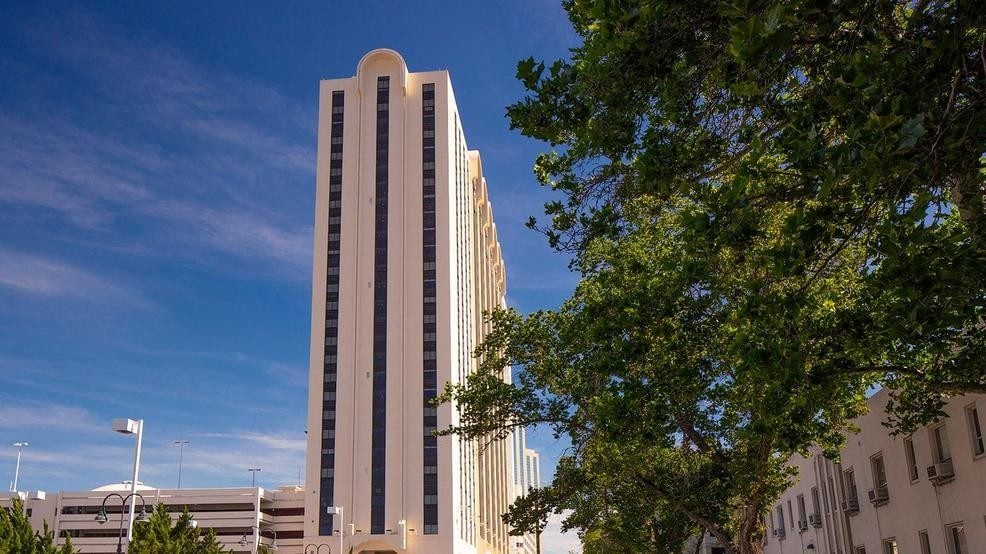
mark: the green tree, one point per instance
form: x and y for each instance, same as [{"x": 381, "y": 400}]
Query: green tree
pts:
[
  {"x": 160, "y": 535},
  {"x": 773, "y": 206},
  {"x": 17, "y": 536}
]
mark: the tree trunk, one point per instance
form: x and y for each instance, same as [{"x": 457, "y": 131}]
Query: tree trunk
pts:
[
  {"x": 749, "y": 534},
  {"x": 969, "y": 196}
]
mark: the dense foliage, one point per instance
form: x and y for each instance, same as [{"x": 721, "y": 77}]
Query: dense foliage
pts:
[
  {"x": 773, "y": 206},
  {"x": 16, "y": 534},
  {"x": 160, "y": 535}
]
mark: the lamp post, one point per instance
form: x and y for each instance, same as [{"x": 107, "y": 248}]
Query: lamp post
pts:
[
  {"x": 253, "y": 475},
  {"x": 17, "y": 468},
  {"x": 336, "y": 510},
  {"x": 256, "y": 546},
  {"x": 131, "y": 427},
  {"x": 101, "y": 517},
  {"x": 316, "y": 549},
  {"x": 181, "y": 450}
]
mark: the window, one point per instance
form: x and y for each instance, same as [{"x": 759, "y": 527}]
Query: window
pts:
[
  {"x": 378, "y": 439},
  {"x": 955, "y": 535},
  {"x": 975, "y": 430},
  {"x": 852, "y": 494},
  {"x": 429, "y": 327},
  {"x": 890, "y": 546},
  {"x": 879, "y": 474},
  {"x": 816, "y": 504},
  {"x": 912, "y": 465},
  {"x": 325, "y": 521},
  {"x": 859, "y": 550},
  {"x": 802, "y": 513},
  {"x": 940, "y": 448},
  {"x": 924, "y": 542}
]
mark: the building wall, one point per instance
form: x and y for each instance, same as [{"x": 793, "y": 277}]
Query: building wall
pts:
[
  {"x": 234, "y": 513},
  {"x": 472, "y": 486},
  {"x": 525, "y": 474},
  {"x": 910, "y": 506}
]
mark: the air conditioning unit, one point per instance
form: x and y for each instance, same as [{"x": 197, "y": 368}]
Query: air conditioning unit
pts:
[
  {"x": 802, "y": 525},
  {"x": 941, "y": 471},
  {"x": 878, "y": 495},
  {"x": 851, "y": 505},
  {"x": 815, "y": 520}
]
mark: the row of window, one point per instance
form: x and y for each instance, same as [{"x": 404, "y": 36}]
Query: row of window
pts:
[
  {"x": 378, "y": 423},
  {"x": 940, "y": 471},
  {"x": 955, "y": 540},
  {"x": 430, "y": 328},
  {"x": 327, "y": 460}
]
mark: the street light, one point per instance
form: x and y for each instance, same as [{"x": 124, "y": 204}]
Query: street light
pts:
[
  {"x": 253, "y": 475},
  {"x": 101, "y": 517},
  {"x": 131, "y": 427},
  {"x": 273, "y": 545},
  {"x": 181, "y": 449},
  {"x": 17, "y": 469},
  {"x": 336, "y": 510}
]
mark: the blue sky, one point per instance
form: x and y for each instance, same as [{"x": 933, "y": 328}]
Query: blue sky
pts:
[{"x": 156, "y": 191}]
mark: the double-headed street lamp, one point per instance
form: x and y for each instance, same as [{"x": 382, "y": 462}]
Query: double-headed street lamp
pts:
[
  {"x": 317, "y": 549},
  {"x": 245, "y": 541},
  {"x": 181, "y": 450},
  {"x": 131, "y": 427},
  {"x": 17, "y": 468},
  {"x": 102, "y": 518},
  {"x": 253, "y": 475}
]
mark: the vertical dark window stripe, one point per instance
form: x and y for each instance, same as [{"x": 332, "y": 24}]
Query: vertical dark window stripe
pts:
[
  {"x": 378, "y": 441},
  {"x": 329, "y": 371},
  {"x": 429, "y": 311}
]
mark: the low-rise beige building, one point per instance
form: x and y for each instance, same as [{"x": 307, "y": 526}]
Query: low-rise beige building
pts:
[
  {"x": 921, "y": 493},
  {"x": 240, "y": 516}
]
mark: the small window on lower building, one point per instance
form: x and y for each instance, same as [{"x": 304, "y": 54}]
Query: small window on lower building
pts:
[
  {"x": 975, "y": 430},
  {"x": 912, "y": 465},
  {"x": 859, "y": 550},
  {"x": 890, "y": 546},
  {"x": 940, "y": 449},
  {"x": 924, "y": 542},
  {"x": 955, "y": 535}
]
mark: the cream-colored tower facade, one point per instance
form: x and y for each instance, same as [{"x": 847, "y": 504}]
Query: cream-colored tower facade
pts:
[{"x": 406, "y": 259}]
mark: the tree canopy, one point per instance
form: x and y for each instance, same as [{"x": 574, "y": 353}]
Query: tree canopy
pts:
[
  {"x": 17, "y": 535},
  {"x": 160, "y": 535},
  {"x": 773, "y": 206}
]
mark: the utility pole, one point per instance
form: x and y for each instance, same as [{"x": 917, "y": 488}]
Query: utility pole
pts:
[
  {"x": 253, "y": 472},
  {"x": 181, "y": 450},
  {"x": 17, "y": 468}
]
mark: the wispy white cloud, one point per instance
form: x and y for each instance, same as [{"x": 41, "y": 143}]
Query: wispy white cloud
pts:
[
  {"x": 210, "y": 460},
  {"x": 234, "y": 180},
  {"x": 15, "y": 414},
  {"x": 270, "y": 440},
  {"x": 222, "y": 459},
  {"x": 45, "y": 276}
]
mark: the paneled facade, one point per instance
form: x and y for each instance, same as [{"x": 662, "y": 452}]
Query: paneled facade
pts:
[{"x": 406, "y": 260}]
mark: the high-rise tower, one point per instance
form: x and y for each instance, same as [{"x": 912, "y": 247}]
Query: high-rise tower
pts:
[{"x": 406, "y": 260}]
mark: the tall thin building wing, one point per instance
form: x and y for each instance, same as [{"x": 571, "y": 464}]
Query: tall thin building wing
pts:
[{"x": 406, "y": 260}]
